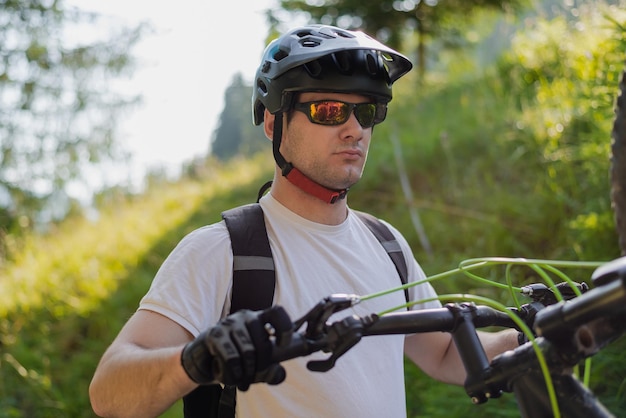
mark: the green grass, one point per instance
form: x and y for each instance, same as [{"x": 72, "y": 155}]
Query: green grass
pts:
[
  {"x": 67, "y": 294},
  {"x": 511, "y": 160}
]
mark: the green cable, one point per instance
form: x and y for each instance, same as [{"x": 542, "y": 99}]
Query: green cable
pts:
[
  {"x": 540, "y": 266},
  {"x": 572, "y": 284}
]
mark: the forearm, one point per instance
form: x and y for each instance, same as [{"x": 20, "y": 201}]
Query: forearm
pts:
[
  {"x": 138, "y": 382},
  {"x": 437, "y": 355},
  {"x": 493, "y": 343},
  {"x": 496, "y": 343}
]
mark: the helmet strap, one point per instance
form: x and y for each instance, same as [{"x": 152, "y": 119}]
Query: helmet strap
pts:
[{"x": 295, "y": 176}]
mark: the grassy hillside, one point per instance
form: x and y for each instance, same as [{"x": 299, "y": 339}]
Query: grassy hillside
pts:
[
  {"x": 66, "y": 295},
  {"x": 511, "y": 160}
]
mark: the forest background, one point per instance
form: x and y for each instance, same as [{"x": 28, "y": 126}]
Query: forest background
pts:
[{"x": 498, "y": 144}]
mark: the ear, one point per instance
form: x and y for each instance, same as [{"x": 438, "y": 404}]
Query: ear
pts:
[{"x": 268, "y": 124}]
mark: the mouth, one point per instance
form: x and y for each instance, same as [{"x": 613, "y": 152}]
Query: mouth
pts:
[{"x": 352, "y": 153}]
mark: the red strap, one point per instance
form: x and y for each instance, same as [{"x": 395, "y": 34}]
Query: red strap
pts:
[{"x": 306, "y": 184}]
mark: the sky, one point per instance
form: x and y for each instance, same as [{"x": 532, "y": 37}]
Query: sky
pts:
[{"x": 185, "y": 67}]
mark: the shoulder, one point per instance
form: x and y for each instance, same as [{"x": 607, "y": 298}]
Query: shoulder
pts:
[
  {"x": 210, "y": 235},
  {"x": 368, "y": 218},
  {"x": 211, "y": 242}
]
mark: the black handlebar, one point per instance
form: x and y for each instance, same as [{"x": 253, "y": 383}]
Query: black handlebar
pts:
[{"x": 567, "y": 332}]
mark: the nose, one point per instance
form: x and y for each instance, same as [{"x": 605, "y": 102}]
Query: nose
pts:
[{"x": 352, "y": 129}]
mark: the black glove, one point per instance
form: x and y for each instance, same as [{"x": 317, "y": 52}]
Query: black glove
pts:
[{"x": 238, "y": 350}]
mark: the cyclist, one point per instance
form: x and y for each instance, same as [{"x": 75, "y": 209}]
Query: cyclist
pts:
[{"x": 319, "y": 91}]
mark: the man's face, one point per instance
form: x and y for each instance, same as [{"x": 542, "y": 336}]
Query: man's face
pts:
[{"x": 333, "y": 156}]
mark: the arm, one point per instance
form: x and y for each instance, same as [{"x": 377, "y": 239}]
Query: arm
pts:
[
  {"x": 141, "y": 374},
  {"x": 436, "y": 354},
  {"x": 153, "y": 362}
]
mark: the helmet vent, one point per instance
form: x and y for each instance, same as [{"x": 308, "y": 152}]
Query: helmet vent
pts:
[
  {"x": 280, "y": 54},
  {"x": 372, "y": 63},
  {"x": 304, "y": 33},
  {"x": 328, "y": 32},
  {"x": 310, "y": 42},
  {"x": 344, "y": 34},
  {"x": 314, "y": 68},
  {"x": 261, "y": 87},
  {"x": 343, "y": 61}
]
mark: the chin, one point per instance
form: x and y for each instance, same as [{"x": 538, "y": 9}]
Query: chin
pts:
[{"x": 351, "y": 181}]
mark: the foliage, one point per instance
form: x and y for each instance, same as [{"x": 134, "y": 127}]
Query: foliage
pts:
[
  {"x": 235, "y": 134},
  {"x": 67, "y": 294},
  {"x": 491, "y": 153},
  {"x": 57, "y": 109},
  {"x": 389, "y": 20},
  {"x": 492, "y": 172}
]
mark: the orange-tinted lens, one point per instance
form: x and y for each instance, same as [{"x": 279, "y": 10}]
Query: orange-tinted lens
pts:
[{"x": 330, "y": 113}]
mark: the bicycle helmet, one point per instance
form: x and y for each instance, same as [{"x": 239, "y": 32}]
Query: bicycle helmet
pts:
[
  {"x": 324, "y": 58},
  {"x": 321, "y": 58}
]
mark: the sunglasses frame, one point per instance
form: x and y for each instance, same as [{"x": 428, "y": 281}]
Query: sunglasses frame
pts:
[{"x": 380, "y": 112}]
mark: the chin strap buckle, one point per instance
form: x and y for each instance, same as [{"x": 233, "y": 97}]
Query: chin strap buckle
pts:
[{"x": 338, "y": 195}]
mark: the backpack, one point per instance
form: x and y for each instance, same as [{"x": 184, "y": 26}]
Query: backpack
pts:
[{"x": 253, "y": 288}]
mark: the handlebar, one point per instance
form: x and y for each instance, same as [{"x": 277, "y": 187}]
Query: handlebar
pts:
[{"x": 566, "y": 332}]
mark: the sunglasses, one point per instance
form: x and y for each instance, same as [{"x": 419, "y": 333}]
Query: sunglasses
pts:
[{"x": 336, "y": 112}]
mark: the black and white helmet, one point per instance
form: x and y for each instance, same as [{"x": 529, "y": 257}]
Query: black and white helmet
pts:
[{"x": 324, "y": 58}]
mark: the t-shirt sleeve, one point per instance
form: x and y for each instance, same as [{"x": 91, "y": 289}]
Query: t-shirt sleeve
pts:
[{"x": 193, "y": 283}]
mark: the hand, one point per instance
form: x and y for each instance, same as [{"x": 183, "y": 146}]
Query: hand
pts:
[{"x": 238, "y": 350}]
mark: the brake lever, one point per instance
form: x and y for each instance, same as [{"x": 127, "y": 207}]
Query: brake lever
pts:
[
  {"x": 543, "y": 294},
  {"x": 341, "y": 337},
  {"x": 527, "y": 313},
  {"x": 316, "y": 318}
]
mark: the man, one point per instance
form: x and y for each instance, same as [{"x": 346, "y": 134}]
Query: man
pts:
[{"x": 319, "y": 90}]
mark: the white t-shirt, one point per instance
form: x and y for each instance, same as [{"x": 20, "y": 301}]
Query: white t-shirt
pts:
[{"x": 312, "y": 261}]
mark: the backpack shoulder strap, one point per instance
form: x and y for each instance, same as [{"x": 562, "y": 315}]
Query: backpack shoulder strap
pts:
[
  {"x": 389, "y": 243},
  {"x": 253, "y": 266},
  {"x": 253, "y": 288}
]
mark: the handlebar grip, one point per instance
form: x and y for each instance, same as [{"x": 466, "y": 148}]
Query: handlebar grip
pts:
[
  {"x": 407, "y": 322},
  {"x": 297, "y": 346},
  {"x": 610, "y": 271}
]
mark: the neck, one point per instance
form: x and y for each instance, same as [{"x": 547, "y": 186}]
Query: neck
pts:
[{"x": 307, "y": 205}]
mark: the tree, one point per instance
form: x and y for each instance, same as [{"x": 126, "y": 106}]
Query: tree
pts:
[
  {"x": 58, "y": 113},
  {"x": 235, "y": 133},
  {"x": 388, "y": 20}
]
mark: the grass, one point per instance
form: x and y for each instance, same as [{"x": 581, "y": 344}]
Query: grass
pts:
[{"x": 67, "y": 294}]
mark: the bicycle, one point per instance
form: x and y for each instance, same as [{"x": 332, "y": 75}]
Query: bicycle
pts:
[{"x": 539, "y": 372}]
